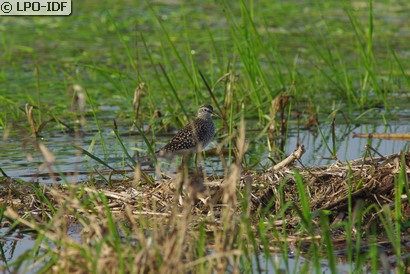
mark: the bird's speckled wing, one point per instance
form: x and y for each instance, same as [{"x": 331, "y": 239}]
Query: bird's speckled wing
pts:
[{"x": 183, "y": 140}]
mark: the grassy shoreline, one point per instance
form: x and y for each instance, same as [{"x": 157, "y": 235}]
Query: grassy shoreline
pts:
[{"x": 216, "y": 224}]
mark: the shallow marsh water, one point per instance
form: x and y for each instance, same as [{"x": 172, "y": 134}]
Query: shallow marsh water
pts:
[
  {"x": 24, "y": 163},
  {"x": 85, "y": 49}
]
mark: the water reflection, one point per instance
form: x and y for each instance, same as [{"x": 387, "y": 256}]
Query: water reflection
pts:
[
  {"x": 17, "y": 244},
  {"x": 277, "y": 263},
  {"x": 23, "y": 164}
]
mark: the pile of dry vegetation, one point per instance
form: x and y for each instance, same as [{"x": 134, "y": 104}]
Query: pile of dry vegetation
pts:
[{"x": 370, "y": 180}]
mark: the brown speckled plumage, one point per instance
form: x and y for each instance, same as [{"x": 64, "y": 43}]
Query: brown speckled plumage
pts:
[{"x": 194, "y": 137}]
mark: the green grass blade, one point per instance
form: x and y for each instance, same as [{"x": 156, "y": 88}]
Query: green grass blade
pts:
[{"x": 92, "y": 156}]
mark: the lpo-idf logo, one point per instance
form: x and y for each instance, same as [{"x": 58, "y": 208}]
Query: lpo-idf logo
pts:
[{"x": 37, "y": 7}]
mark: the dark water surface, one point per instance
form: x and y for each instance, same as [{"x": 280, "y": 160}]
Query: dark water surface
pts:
[{"x": 20, "y": 159}]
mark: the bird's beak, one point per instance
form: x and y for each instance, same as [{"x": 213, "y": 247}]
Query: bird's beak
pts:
[{"x": 216, "y": 115}]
